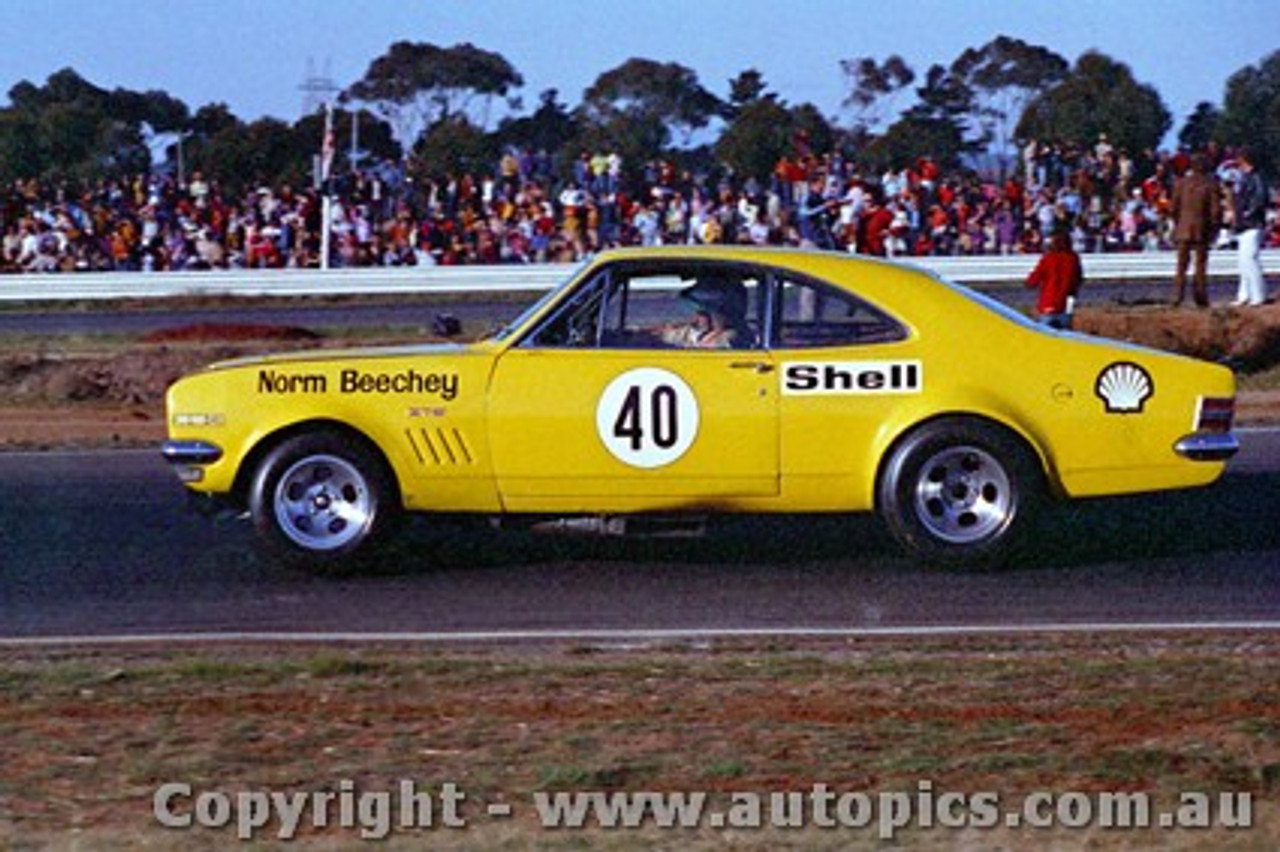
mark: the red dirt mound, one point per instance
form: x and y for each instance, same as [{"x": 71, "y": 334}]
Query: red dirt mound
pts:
[
  {"x": 211, "y": 331},
  {"x": 1247, "y": 339}
]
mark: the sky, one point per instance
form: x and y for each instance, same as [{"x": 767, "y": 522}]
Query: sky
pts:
[{"x": 255, "y": 55}]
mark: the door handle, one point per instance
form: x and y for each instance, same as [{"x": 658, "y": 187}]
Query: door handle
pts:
[{"x": 758, "y": 366}]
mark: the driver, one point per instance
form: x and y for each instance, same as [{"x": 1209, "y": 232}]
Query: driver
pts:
[{"x": 718, "y": 320}]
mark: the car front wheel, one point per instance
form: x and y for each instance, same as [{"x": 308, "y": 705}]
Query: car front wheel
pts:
[
  {"x": 960, "y": 491},
  {"x": 321, "y": 501}
]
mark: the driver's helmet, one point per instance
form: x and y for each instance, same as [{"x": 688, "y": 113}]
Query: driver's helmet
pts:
[{"x": 724, "y": 296}]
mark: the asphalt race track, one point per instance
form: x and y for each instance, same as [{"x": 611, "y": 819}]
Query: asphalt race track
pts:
[{"x": 103, "y": 544}]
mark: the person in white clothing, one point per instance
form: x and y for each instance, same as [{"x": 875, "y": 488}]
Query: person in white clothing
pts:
[{"x": 1250, "y": 218}]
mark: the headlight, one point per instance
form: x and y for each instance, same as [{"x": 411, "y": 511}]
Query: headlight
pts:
[{"x": 183, "y": 419}]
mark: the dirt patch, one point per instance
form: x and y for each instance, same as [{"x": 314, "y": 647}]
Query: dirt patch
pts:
[
  {"x": 1248, "y": 339},
  {"x": 137, "y": 376},
  {"x": 50, "y": 399}
]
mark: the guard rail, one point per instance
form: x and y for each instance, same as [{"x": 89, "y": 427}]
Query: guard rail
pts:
[{"x": 985, "y": 269}]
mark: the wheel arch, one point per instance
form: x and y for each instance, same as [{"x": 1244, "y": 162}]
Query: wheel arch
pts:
[
  {"x": 262, "y": 448},
  {"x": 1019, "y": 435}
]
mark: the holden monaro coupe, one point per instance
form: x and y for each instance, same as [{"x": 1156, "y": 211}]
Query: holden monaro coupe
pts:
[{"x": 690, "y": 381}]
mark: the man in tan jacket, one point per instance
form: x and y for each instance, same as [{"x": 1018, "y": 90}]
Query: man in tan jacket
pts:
[{"x": 1197, "y": 213}]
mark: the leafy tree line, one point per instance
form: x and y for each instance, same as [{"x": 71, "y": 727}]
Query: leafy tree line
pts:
[{"x": 450, "y": 110}]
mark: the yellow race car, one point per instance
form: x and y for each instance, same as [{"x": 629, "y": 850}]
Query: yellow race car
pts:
[{"x": 689, "y": 381}]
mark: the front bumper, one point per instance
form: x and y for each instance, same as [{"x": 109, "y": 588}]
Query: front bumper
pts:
[
  {"x": 1207, "y": 446},
  {"x": 189, "y": 458}
]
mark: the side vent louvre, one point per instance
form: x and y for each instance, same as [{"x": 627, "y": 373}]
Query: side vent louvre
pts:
[{"x": 439, "y": 447}]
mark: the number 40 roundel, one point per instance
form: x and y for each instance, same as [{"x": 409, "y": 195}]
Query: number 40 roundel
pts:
[{"x": 647, "y": 417}]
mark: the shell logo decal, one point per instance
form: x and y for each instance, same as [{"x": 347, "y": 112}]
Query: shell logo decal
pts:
[{"x": 1124, "y": 387}]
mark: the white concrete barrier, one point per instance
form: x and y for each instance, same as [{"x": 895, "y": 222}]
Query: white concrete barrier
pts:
[{"x": 987, "y": 269}]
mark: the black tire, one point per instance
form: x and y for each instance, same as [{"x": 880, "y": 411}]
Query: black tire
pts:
[
  {"x": 323, "y": 501},
  {"x": 961, "y": 491}
]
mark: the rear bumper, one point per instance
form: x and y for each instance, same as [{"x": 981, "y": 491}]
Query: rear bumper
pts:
[{"x": 1207, "y": 446}]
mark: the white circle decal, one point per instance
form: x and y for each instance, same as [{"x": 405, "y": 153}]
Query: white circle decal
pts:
[{"x": 647, "y": 417}]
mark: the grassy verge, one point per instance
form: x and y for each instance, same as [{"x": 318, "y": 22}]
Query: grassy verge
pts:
[{"x": 88, "y": 735}]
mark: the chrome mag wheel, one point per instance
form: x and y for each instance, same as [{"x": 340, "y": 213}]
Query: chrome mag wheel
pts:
[
  {"x": 964, "y": 494},
  {"x": 323, "y": 502}
]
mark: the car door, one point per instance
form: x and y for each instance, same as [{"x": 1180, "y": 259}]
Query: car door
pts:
[
  {"x": 845, "y": 366},
  {"x": 593, "y": 411}
]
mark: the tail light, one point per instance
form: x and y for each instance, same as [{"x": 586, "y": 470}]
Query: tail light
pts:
[
  {"x": 1216, "y": 414},
  {"x": 1212, "y": 440}
]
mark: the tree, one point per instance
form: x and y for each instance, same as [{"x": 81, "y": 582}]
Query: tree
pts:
[
  {"x": 762, "y": 129},
  {"x": 67, "y": 135},
  {"x": 873, "y": 87},
  {"x": 1251, "y": 113},
  {"x": 452, "y": 147},
  {"x": 632, "y": 110},
  {"x": 71, "y": 128},
  {"x": 415, "y": 86},
  {"x": 651, "y": 95},
  {"x": 549, "y": 128},
  {"x": 62, "y": 87},
  {"x": 157, "y": 109},
  {"x": 1098, "y": 95},
  {"x": 1200, "y": 126},
  {"x": 810, "y": 124},
  {"x": 744, "y": 90},
  {"x": 244, "y": 157},
  {"x": 1005, "y": 74},
  {"x": 20, "y": 155},
  {"x": 208, "y": 123},
  {"x": 759, "y": 135},
  {"x": 68, "y": 121},
  {"x": 911, "y": 137},
  {"x": 934, "y": 127},
  {"x": 213, "y": 118}
]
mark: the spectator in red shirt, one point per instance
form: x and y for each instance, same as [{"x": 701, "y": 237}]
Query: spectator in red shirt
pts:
[
  {"x": 876, "y": 221},
  {"x": 1058, "y": 275}
]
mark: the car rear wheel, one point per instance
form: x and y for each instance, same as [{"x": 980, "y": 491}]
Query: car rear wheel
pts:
[
  {"x": 322, "y": 501},
  {"x": 960, "y": 491}
]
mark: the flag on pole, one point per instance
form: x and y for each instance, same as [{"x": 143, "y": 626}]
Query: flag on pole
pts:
[
  {"x": 326, "y": 203},
  {"x": 326, "y": 148}
]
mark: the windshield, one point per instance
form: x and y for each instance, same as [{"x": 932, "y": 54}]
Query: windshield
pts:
[{"x": 510, "y": 328}]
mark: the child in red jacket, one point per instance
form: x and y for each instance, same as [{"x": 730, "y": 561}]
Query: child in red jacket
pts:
[{"x": 1059, "y": 275}]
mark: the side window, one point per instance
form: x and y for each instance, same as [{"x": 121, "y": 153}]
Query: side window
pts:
[
  {"x": 659, "y": 307},
  {"x": 578, "y": 322},
  {"x": 814, "y": 315},
  {"x": 692, "y": 307}
]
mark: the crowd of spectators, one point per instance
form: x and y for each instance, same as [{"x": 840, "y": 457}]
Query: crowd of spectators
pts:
[{"x": 523, "y": 212}]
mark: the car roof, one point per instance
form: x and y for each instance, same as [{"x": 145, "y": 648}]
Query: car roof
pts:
[{"x": 891, "y": 281}]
